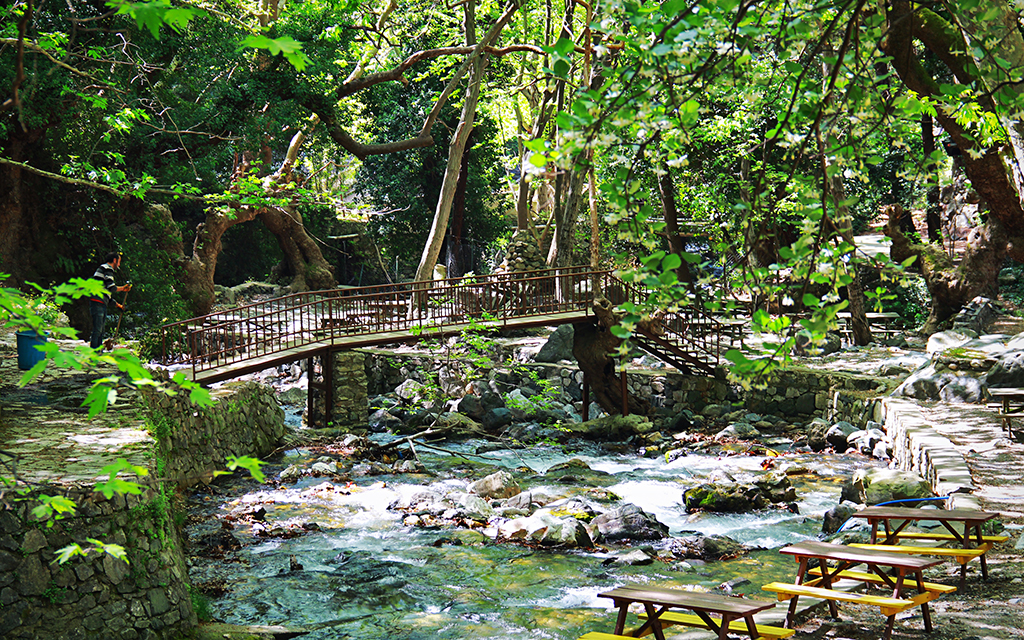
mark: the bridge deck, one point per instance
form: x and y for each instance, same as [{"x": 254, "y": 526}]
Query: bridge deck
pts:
[
  {"x": 253, "y": 337},
  {"x": 230, "y": 370}
]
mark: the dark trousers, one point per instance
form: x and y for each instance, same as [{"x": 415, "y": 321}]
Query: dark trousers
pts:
[{"x": 98, "y": 311}]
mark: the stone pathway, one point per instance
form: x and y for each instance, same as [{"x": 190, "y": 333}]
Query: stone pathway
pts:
[{"x": 44, "y": 426}]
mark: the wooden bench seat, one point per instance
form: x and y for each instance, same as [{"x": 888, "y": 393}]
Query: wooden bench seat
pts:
[
  {"x": 765, "y": 632},
  {"x": 597, "y": 635},
  {"x": 888, "y": 606},
  {"x": 866, "y": 576},
  {"x": 963, "y": 556},
  {"x": 923, "y": 535}
]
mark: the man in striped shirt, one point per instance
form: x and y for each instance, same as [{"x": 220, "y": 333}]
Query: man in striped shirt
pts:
[{"x": 98, "y": 306}]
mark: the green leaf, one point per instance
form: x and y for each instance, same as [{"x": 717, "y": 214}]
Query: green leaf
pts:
[
  {"x": 250, "y": 464},
  {"x": 671, "y": 262},
  {"x": 621, "y": 332},
  {"x": 67, "y": 553}
]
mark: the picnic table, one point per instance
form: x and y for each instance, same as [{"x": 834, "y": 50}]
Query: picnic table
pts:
[
  {"x": 1010, "y": 402},
  {"x": 877, "y": 322},
  {"x": 885, "y": 569},
  {"x": 969, "y": 538},
  {"x": 734, "y": 614}
]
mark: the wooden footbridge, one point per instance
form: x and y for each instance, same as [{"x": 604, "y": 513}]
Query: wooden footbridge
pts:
[{"x": 250, "y": 338}]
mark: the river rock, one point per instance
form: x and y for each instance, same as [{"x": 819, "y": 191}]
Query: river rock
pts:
[
  {"x": 473, "y": 506},
  {"x": 724, "y": 498},
  {"x": 706, "y": 548},
  {"x": 615, "y": 428},
  {"x": 421, "y": 502},
  {"x": 816, "y": 431},
  {"x": 500, "y": 484},
  {"x": 547, "y": 530},
  {"x": 629, "y": 522},
  {"x": 928, "y": 383},
  {"x": 777, "y": 487},
  {"x": 526, "y": 500},
  {"x": 944, "y": 340},
  {"x": 837, "y": 516},
  {"x": 558, "y": 347},
  {"x": 838, "y": 434},
  {"x": 633, "y": 557},
  {"x": 739, "y": 430},
  {"x": 324, "y": 468},
  {"x": 571, "y": 508},
  {"x": 410, "y": 391},
  {"x": 469, "y": 405},
  {"x": 382, "y": 420},
  {"x": 865, "y": 440},
  {"x": 458, "y": 423},
  {"x": 497, "y": 418},
  {"x": 874, "y": 486}
]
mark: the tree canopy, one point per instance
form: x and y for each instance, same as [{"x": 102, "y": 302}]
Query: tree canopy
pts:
[{"x": 740, "y": 141}]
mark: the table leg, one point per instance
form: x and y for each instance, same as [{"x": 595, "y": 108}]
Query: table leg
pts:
[
  {"x": 981, "y": 541},
  {"x": 723, "y": 628},
  {"x": 751, "y": 627},
  {"x": 653, "y": 616},
  {"x": 925, "y": 611},
  {"x": 791, "y": 613},
  {"x": 826, "y": 580},
  {"x": 620, "y": 622},
  {"x": 720, "y": 627}
]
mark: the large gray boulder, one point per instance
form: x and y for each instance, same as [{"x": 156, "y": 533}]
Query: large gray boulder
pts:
[
  {"x": 1008, "y": 371},
  {"x": 629, "y": 522},
  {"x": 816, "y": 432},
  {"x": 874, "y": 486},
  {"x": 495, "y": 419},
  {"x": 500, "y": 484},
  {"x": 612, "y": 428},
  {"x": 928, "y": 383},
  {"x": 838, "y": 435},
  {"x": 708, "y": 548},
  {"x": 548, "y": 530},
  {"x": 558, "y": 347},
  {"x": 837, "y": 516},
  {"x": 469, "y": 405},
  {"x": 725, "y": 498}
]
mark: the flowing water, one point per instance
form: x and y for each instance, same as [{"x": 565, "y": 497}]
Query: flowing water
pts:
[{"x": 360, "y": 573}]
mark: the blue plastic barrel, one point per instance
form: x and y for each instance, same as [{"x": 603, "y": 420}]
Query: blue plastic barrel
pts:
[{"x": 28, "y": 355}]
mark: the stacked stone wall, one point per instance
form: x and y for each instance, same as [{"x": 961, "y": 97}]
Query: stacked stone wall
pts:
[
  {"x": 791, "y": 393},
  {"x": 245, "y": 420},
  {"x": 350, "y": 392},
  {"x": 99, "y": 597}
]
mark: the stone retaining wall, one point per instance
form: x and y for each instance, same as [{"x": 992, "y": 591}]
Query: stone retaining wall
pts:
[
  {"x": 96, "y": 596},
  {"x": 919, "y": 448},
  {"x": 793, "y": 392},
  {"x": 194, "y": 442},
  {"x": 99, "y": 597}
]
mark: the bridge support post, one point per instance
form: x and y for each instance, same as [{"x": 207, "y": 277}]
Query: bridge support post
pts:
[
  {"x": 340, "y": 396},
  {"x": 625, "y": 392},
  {"x": 586, "y": 397}
]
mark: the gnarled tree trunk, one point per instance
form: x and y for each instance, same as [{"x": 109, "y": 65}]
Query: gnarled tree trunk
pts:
[
  {"x": 593, "y": 346},
  {"x": 951, "y": 285}
]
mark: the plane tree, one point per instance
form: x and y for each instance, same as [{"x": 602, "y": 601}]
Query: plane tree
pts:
[
  {"x": 124, "y": 102},
  {"x": 834, "y": 76}
]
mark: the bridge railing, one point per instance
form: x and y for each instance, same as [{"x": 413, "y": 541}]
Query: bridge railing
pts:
[
  {"x": 392, "y": 313},
  {"x": 297, "y": 320}
]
